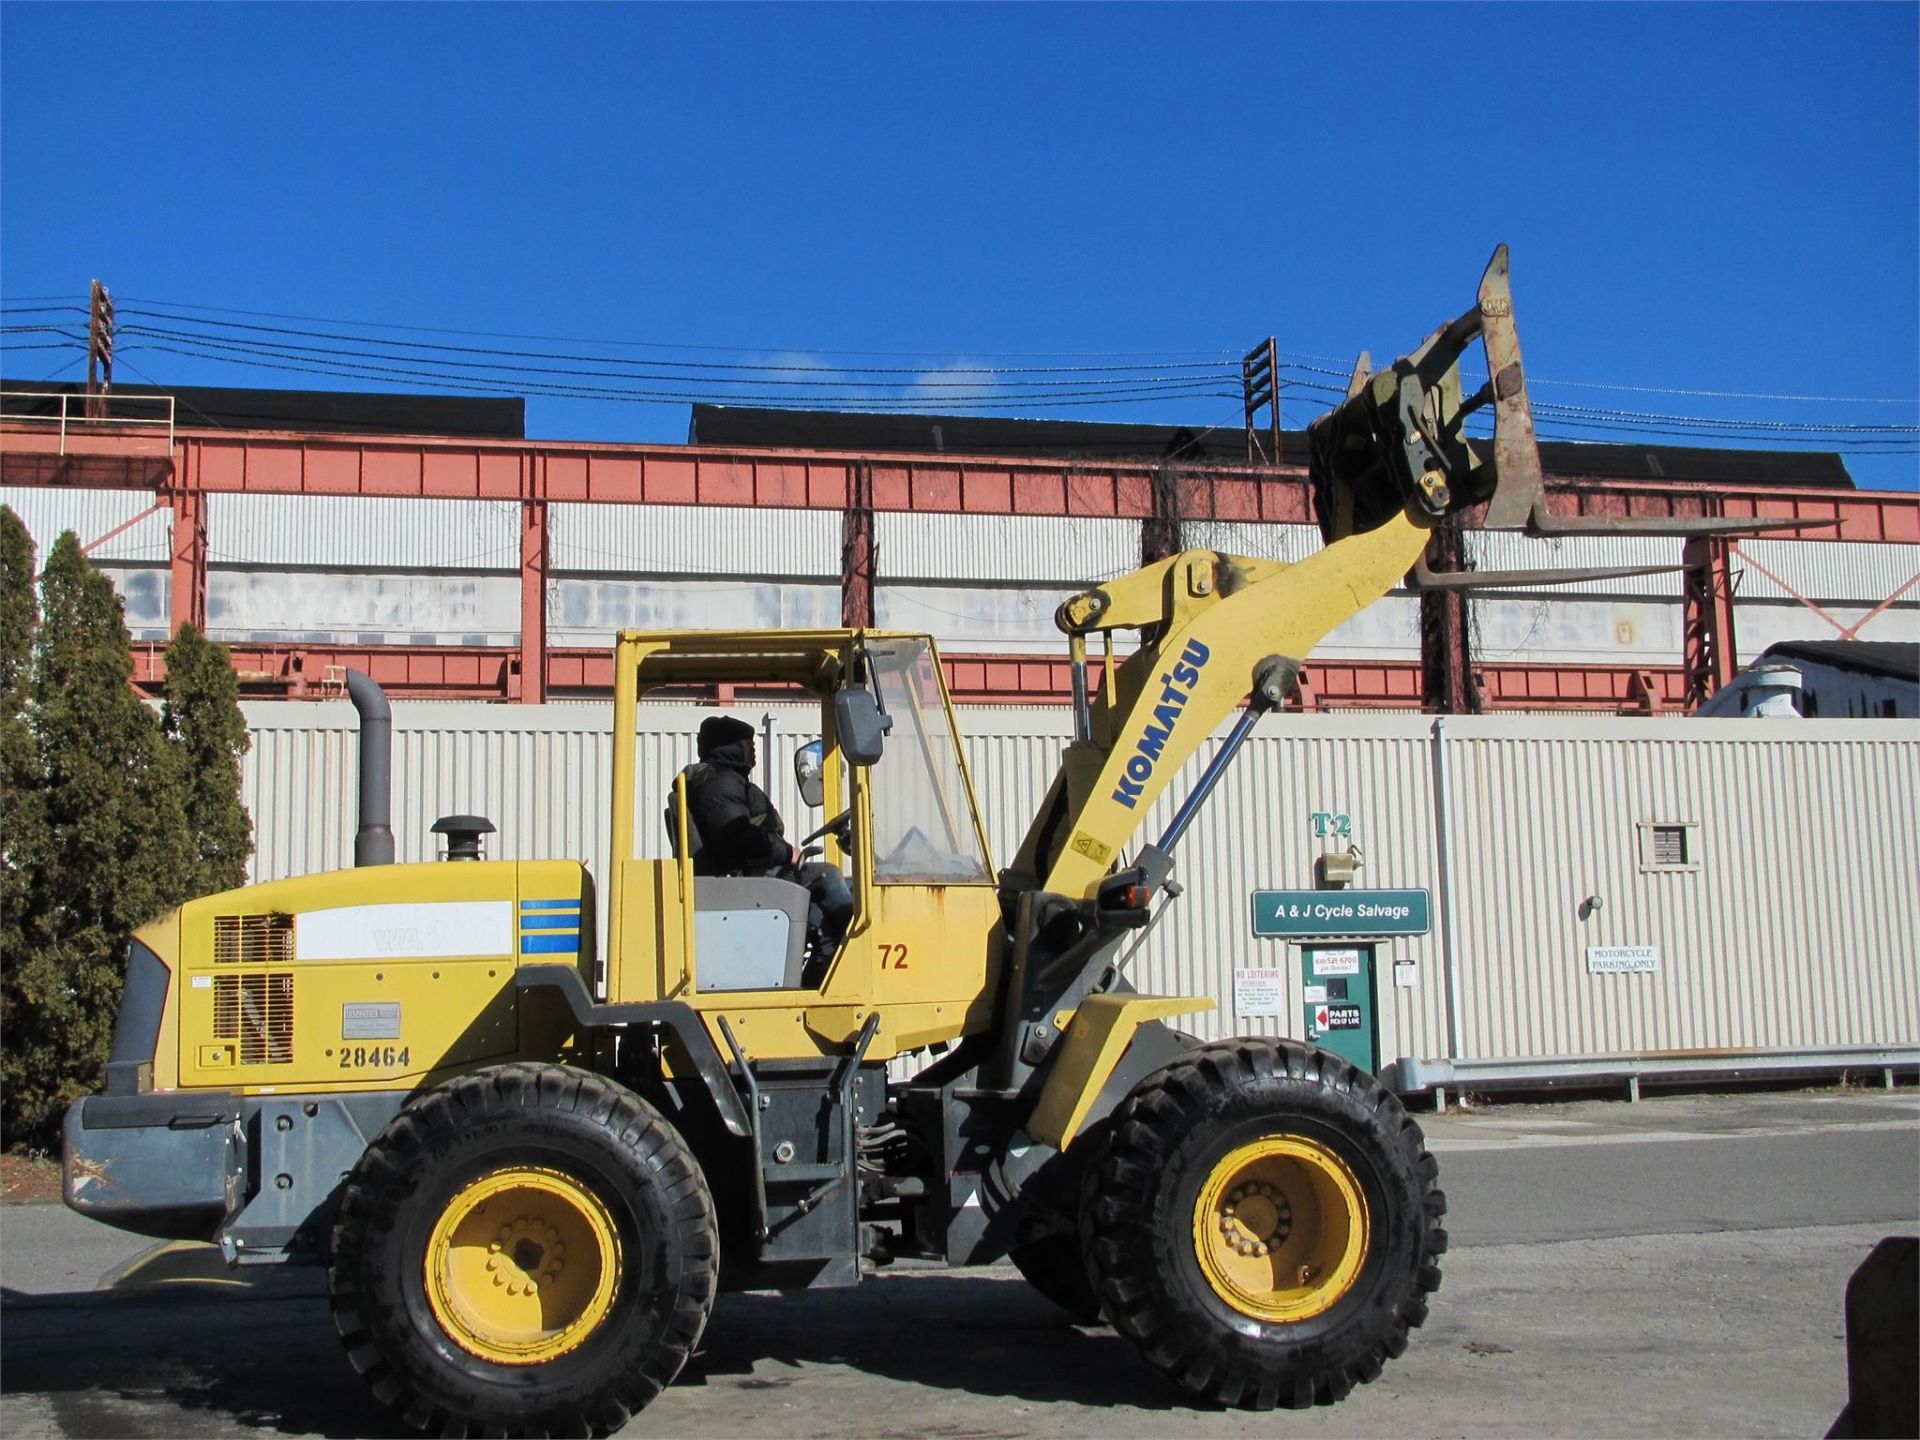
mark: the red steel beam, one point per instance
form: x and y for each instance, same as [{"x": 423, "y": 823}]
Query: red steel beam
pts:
[
  {"x": 529, "y": 678},
  {"x": 1709, "y": 656},
  {"x": 260, "y": 462},
  {"x": 188, "y": 560},
  {"x": 477, "y": 673}
]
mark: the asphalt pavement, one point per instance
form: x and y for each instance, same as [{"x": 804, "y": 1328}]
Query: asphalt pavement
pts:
[{"x": 1674, "y": 1267}]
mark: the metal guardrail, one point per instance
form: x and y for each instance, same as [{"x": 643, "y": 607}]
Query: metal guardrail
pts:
[
  {"x": 1436, "y": 1077},
  {"x": 66, "y": 412}
]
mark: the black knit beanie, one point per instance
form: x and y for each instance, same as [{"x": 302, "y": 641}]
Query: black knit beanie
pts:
[{"x": 717, "y": 731}]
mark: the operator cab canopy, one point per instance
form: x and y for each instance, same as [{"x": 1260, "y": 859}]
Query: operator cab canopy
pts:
[
  {"x": 921, "y": 820},
  {"x": 812, "y": 660}
]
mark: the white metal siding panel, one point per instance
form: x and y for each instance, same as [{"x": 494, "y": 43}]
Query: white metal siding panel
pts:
[
  {"x": 1047, "y": 550},
  {"x": 1009, "y": 618},
  {"x": 1257, "y": 833},
  {"x": 1795, "y": 931},
  {"x": 1575, "y": 630},
  {"x": 608, "y": 539},
  {"x": 1758, "y": 624},
  {"x": 1389, "y": 629},
  {"x": 1828, "y": 571},
  {"x": 146, "y": 591},
  {"x": 338, "y": 608},
  {"x": 1291, "y": 543},
  {"x": 363, "y": 532},
  {"x": 590, "y": 611},
  {"x": 48, "y": 512},
  {"x": 1501, "y": 550}
]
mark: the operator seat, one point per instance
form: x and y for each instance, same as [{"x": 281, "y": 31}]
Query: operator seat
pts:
[{"x": 749, "y": 931}]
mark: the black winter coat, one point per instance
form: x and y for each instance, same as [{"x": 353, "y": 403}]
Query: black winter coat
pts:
[{"x": 740, "y": 831}]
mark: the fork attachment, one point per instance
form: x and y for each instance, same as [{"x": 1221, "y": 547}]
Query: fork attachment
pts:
[{"x": 1398, "y": 444}]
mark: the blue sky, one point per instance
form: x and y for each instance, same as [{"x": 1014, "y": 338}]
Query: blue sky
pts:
[{"x": 1699, "y": 198}]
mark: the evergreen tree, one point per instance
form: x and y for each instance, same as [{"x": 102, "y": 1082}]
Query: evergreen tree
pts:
[
  {"x": 19, "y": 764},
  {"x": 203, "y": 721},
  {"x": 110, "y": 851}
]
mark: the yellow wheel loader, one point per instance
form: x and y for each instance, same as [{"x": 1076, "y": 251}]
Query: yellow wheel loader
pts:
[{"x": 529, "y": 1167}]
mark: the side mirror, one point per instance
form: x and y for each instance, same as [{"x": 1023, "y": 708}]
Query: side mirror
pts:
[
  {"x": 863, "y": 729},
  {"x": 808, "y": 761}
]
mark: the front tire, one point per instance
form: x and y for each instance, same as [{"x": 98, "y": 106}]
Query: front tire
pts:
[
  {"x": 528, "y": 1249},
  {"x": 1264, "y": 1224}
]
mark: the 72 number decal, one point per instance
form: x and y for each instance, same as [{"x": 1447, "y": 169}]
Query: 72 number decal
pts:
[{"x": 892, "y": 957}]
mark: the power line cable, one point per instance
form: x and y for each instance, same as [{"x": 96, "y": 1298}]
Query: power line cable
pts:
[
  {"x": 125, "y": 311},
  {"x": 520, "y": 378},
  {"x": 1223, "y": 355},
  {"x": 479, "y": 386},
  {"x": 749, "y": 375}
]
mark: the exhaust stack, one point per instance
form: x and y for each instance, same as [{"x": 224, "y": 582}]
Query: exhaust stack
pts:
[{"x": 373, "y": 841}]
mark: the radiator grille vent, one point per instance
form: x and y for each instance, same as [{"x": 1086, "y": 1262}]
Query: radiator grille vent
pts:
[
  {"x": 253, "y": 939},
  {"x": 256, "y": 1010}
]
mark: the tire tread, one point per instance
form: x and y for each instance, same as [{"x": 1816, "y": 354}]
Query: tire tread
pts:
[{"x": 1125, "y": 1256}]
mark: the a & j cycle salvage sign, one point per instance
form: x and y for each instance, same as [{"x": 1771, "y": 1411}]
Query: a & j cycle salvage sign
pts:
[{"x": 1345, "y": 914}]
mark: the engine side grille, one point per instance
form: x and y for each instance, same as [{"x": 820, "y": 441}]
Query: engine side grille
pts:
[
  {"x": 256, "y": 1010},
  {"x": 253, "y": 939}
]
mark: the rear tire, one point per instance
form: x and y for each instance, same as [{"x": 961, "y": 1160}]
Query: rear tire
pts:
[
  {"x": 1264, "y": 1224},
  {"x": 528, "y": 1249}
]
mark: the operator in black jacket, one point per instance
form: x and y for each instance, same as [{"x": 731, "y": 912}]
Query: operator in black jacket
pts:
[{"x": 740, "y": 831}]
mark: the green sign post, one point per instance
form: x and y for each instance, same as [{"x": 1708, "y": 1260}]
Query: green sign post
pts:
[{"x": 1341, "y": 914}]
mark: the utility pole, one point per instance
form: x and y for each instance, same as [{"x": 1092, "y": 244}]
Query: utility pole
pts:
[
  {"x": 99, "y": 352},
  {"x": 1260, "y": 390}
]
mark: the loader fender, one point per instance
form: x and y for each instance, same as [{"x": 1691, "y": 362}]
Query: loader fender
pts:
[
  {"x": 674, "y": 1015},
  {"x": 1096, "y": 1038}
]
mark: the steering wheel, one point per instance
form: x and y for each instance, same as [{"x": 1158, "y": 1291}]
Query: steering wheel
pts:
[{"x": 839, "y": 827}]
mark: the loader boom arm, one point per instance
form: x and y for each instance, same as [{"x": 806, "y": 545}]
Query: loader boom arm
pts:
[
  {"x": 1386, "y": 466},
  {"x": 1220, "y": 625}
]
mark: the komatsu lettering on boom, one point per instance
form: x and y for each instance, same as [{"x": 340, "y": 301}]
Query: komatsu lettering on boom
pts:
[{"x": 1177, "y": 686}]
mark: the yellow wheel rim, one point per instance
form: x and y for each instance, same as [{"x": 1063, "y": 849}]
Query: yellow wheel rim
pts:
[
  {"x": 522, "y": 1266},
  {"x": 1280, "y": 1228}
]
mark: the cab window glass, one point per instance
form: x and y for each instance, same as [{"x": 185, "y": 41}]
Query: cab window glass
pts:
[{"x": 923, "y": 827}]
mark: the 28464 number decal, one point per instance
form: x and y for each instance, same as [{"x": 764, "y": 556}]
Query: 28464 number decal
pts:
[{"x": 372, "y": 1057}]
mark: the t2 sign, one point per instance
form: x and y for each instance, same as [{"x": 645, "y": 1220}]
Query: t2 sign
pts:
[{"x": 1331, "y": 824}]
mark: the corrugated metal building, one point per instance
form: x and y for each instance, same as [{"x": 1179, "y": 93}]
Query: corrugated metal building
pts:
[{"x": 1770, "y": 864}]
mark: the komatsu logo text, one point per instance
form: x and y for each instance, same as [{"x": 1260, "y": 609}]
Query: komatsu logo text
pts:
[{"x": 1176, "y": 688}]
